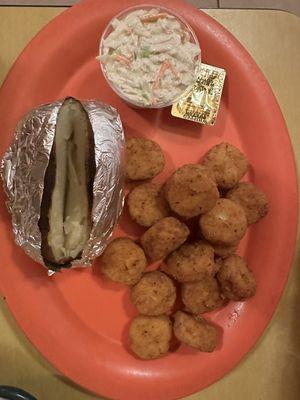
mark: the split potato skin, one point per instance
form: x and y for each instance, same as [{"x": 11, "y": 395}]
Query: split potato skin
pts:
[
  {"x": 123, "y": 261},
  {"x": 147, "y": 205},
  {"x": 144, "y": 159},
  {"x": 251, "y": 198},
  {"x": 154, "y": 294},
  {"x": 236, "y": 280},
  {"x": 164, "y": 237},
  {"x": 149, "y": 337},
  {"x": 190, "y": 262},
  {"x": 225, "y": 224},
  {"x": 65, "y": 217},
  {"x": 191, "y": 191},
  {"x": 203, "y": 296},
  {"x": 195, "y": 332},
  {"x": 227, "y": 163}
]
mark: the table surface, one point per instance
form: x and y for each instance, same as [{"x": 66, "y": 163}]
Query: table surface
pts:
[{"x": 271, "y": 371}]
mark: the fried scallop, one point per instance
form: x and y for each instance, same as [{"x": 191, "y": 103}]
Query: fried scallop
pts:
[
  {"x": 144, "y": 159},
  {"x": 154, "y": 294},
  {"x": 251, "y": 198},
  {"x": 163, "y": 237},
  {"x": 123, "y": 261},
  {"x": 190, "y": 262},
  {"x": 225, "y": 224},
  {"x": 222, "y": 250},
  {"x": 149, "y": 337},
  {"x": 195, "y": 332},
  {"x": 236, "y": 280},
  {"x": 191, "y": 191},
  {"x": 227, "y": 163},
  {"x": 147, "y": 205},
  {"x": 203, "y": 296}
]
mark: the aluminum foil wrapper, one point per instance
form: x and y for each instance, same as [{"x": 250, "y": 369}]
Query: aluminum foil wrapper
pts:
[
  {"x": 25, "y": 162},
  {"x": 201, "y": 101}
]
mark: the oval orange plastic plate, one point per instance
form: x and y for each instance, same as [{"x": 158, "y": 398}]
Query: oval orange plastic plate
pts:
[{"x": 77, "y": 320}]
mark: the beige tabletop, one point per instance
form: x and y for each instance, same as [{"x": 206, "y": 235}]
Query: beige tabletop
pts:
[{"x": 271, "y": 371}]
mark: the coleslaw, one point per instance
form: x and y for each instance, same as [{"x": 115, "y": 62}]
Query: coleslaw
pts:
[{"x": 149, "y": 56}]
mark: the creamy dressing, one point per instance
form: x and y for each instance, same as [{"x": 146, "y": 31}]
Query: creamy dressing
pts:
[{"x": 149, "y": 57}]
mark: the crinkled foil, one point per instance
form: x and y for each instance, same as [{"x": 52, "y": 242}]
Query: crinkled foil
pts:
[
  {"x": 201, "y": 101},
  {"x": 25, "y": 162}
]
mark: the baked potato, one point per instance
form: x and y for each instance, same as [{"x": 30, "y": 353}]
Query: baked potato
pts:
[
  {"x": 64, "y": 178},
  {"x": 65, "y": 221}
]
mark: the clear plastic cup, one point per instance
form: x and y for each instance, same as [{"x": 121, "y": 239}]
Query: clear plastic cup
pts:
[{"x": 109, "y": 29}]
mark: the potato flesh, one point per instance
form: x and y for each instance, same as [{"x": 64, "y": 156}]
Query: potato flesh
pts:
[{"x": 69, "y": 217}]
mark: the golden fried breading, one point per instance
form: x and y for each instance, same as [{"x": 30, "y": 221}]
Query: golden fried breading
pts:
[
  {"x": 164, "y": 237},
  {"x": 123, "y": 261},
  {"x": 149, "y": 337},
  {"x": 154, "y": 294},
  {"x": 191, "y": 191},
  {"x": 223, "y": 250},
  {"x": 227, "y": 164},
  {"x": 144, "y": 159},
  {"x": 225, "y": 224},
  {"x": 195, "y": 332},
  {"x": 251, "y": 198},
  {"x": 203, "y": 296},
  {"x": 191, "y": 262},
  {"x": 147, "y": 205},
  {"x": 236, "y": 280}
]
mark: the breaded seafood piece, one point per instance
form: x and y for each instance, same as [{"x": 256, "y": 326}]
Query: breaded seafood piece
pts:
[
  {"x": 203, "y": 296},
  {"x": 144, "y": 159},
  {"x": 225, "y": 224},
  {"x": 149, "y": 337},
  {"x": 147, "y": 205},
  {"x": 251, "y": 198},
  {"x": 236, "y": 280},
  {"x": 163, "y": 237},
  {"x": 191, "y": 262},
  {"x": 123, "y": 261},
  {"x": 154, "y": 294},
  {"x": 191, "y": 190},
  {"x": 227, "y": 163},
  {"x": 195, "y": 332},
  {"x": 222, "y": 250}
]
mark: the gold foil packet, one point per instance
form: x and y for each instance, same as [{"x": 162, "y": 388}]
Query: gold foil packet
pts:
[{"x": 200, "y": 102}]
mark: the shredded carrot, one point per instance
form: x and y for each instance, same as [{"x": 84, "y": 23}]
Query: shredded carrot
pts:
[
  {"x": 163, "y": 68},
  {"x": 154, "y": 100},
  {"x": 135, "y": 40},
  {"x": 155, "y": 84},
  {"x": 123, "y": 59},
  {"x": 182, "y": 35},
  {"x": 167, "y": 31},
  {"x": 153, "y": 18},
  {"x": 160, "y": 74},
  {"x": 173, "y": 69},
  {"x": 164, "y": 41}
]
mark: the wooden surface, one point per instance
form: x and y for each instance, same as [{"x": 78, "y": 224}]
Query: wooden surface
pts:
[
  {"x": 292, "y": 6},
  {"x": 271, "y": 371}
]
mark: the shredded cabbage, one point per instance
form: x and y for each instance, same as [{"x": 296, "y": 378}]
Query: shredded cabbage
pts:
[{"x": 149, "y": 57}]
